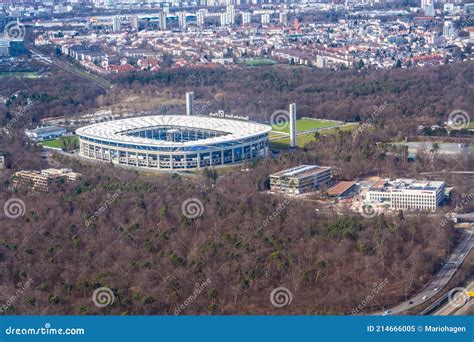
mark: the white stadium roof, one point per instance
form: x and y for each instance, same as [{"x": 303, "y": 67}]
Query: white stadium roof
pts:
[{"x": 111, "y": 130}]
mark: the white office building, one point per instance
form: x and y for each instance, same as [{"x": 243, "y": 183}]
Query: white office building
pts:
[{"x": 407, "y": 194}]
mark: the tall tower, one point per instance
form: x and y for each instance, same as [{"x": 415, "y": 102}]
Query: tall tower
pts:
[
  {"x": 190, "y": 103},
  {"x": 163, "y": 20},
  {"x": 116, "y": 24},
  {"x": 182, "y": 20},
  {"x": 293, "y": 125},
  {"x": 134, "y": 22}
]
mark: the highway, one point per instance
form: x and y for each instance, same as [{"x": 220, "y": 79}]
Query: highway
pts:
[
  {"x": 449, "y": 309},
  {"x": 440, "y": 279}
]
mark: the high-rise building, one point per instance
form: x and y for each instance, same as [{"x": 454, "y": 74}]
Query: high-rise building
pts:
[
  {"x": 293, "y": 125},
  {"x": 163, "y": 20},
  {"x": 230, "y": 14},
  {"x": 116, "y": 24},
  {"x": 448, "y": 29},
  {"x": 425, "y": 3},
  {"x": 134, "y": 22},
  {"x": 182, "y": 20},
  {"x": 429, "y": 10},
  {"x": 190, "y": 103},
  {"x": 265, "y": 18},
  {"x": 223, "y": 19},
  {"x": 246, "y": 18},
  {"x": 283, "y": 18},
  {"x": 200, "y": 17}
]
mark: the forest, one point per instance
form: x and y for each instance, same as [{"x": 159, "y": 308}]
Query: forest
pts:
[{"x": 126, "y": 230}]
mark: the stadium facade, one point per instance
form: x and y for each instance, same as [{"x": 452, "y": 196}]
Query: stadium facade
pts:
[{"x": 174, "y": 142}]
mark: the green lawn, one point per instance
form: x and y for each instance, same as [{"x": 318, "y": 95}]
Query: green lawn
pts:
[
  {"x": 58, "y": 142},
  {"x": 24, "y": 74},
  {"x": 306, "y": 125},
  {"x": 305, "y": 139},
  {"x": 258, "y": 61}
]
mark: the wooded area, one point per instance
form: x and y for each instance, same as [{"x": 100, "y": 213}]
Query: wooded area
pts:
[{"x": 152, "y": 256}]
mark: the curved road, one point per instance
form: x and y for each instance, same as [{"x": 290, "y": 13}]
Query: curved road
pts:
[{"x": 441, "y": 278}]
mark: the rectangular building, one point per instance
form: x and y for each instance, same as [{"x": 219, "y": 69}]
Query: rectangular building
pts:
[
  {"x": 407, "y": 194},
  {"x": 45, "y": 133},
  {"x": 41, "y": 180},
  {"x": 300, "y": 179}
]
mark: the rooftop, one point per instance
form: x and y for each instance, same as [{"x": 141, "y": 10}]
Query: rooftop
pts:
[
  {"x": 117, "y": 130},
  {"x": 300, "y": 171}
]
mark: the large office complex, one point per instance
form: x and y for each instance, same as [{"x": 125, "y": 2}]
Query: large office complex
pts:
[
  {"x": 407, "y": 194},
  {"x": 169, "y": 142},
  {"x": 300, "y": 179}
]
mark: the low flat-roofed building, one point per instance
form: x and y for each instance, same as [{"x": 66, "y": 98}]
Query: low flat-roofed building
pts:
[
  {"x": 2, "y": 161},
  {"x": 342, "y": 189},
  {"x": 45, "y": 133},
  {"x": 41, "y": 180},
  {"x": 300, "y": 179},
  {"x": 407, "y": 194}
]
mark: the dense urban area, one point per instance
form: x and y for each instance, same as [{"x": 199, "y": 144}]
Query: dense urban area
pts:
[{"x": 236, "y": 157}]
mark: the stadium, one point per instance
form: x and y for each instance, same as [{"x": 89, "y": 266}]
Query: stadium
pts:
[{"x": 173, "y": 142}]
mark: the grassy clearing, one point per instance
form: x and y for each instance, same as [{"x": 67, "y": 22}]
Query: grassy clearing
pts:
[
  {"x": 304, "y": 139},
  {"x": 307, "y": 125},
  {"x": 25, "y": 74},
  {"x": 258, "y": 61},
  {"x": 58, "y": 143}
]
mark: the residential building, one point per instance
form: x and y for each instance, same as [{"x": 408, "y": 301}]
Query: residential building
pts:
[
  {"x": 163, "y": 20},
  {"x": 134, "y": 22},
  {"x": 4, "y": 47},
  {"x": 246, "y": 18},
  {"x": 116, "y": 24},
  {"x": 265, "y": 18}
]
